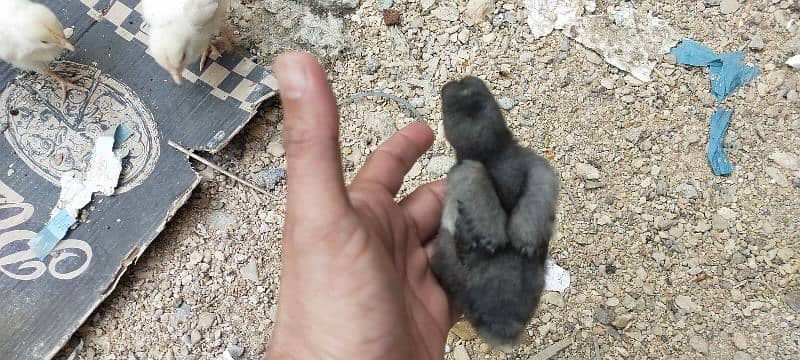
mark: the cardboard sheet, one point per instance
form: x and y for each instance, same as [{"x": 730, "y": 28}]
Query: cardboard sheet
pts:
[{"x": 43, "y": 302}]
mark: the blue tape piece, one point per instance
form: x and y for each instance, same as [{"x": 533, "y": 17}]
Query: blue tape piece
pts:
[
  {"x": 690, "y": 52},
  {"x": 716, "y": 137},
  {"x": 728, "y": 71},
  {"x": 121, "y": 134},
  {"x": 55, "y": 230},
  {"x": 731, "y": 74}
]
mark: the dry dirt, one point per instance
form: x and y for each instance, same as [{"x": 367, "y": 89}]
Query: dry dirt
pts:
[{"x": 667, "y": 260}]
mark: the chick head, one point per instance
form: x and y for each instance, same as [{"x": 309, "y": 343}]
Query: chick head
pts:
[
  {"x": 173, "y": 50},
  {"x": 473, "y": 122},
  {"x": 43, "y": 27}
]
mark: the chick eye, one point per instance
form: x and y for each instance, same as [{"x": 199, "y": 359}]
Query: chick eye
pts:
[{"x": 44, "y": 42}]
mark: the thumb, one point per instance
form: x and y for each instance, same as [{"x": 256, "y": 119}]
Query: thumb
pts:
[{"x": 316, "y": 190}]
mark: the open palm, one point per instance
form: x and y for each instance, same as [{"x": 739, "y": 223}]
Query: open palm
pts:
[{"x": 356, "y": 281}]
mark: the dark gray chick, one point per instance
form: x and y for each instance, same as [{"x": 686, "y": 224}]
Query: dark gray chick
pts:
[{"x": 498, "y": 217}]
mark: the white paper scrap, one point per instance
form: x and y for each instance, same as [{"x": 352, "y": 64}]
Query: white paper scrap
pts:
[{"x": 556, "y": 278}]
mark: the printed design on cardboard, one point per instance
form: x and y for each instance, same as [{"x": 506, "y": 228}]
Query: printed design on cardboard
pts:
[
  {"x": 54, "y": 140},
  {"x": 69, "y": 259}
]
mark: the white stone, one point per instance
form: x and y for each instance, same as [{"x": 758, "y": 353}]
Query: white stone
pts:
[
  {"x": 587, "y": 172},
  {"x": 794, "y": 61}
]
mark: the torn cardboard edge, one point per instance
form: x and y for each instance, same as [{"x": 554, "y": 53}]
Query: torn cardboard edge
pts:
[
  {"x": 219, "y": 169},
  {"x": 133, "y": 257},
  {"x": 218, "y": 146}
]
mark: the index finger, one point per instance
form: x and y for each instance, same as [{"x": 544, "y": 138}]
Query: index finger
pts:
[{"x": 311, "y": 136}]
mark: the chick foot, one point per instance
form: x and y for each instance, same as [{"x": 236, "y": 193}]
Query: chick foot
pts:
[
  {"x": 226, "y": 39},
  {"x": 211, "y": 49},
  {"x": 225, "y": 43}
]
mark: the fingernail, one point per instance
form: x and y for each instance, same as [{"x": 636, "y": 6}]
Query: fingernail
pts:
[{"x": 291, "y": 77}]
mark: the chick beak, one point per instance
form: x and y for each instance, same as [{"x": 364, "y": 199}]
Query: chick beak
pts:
[
  {"x": 176, "y": 75},
  {"x": 66, "y": 45},
  {"x": 62, "y": 41}
]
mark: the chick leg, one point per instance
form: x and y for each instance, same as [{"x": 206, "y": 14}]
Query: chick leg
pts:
[
  {"x": 531, "y": 223},
  {"x": 481, "y": 219}
]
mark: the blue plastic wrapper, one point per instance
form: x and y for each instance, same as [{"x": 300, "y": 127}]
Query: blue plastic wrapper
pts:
[
  {"x": 716, "y": 137},
  {"x": 728, "y": 71}
]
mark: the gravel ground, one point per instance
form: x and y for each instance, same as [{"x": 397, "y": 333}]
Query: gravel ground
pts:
[{"x": 667, "y": 260}]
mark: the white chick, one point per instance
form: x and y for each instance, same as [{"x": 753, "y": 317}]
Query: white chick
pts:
[
  {"x": 181, "y": 31},
  {"x": 31, "y": 37}
]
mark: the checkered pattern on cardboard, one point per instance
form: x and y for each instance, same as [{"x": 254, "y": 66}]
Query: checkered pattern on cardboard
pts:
[{"x": 228, "y": 76}]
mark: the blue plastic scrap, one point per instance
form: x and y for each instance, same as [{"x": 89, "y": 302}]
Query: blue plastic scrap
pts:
[
  {"x": 716, "y": 153},
  {"x": 728, "y": 71},
  {"x": 55, "y": 230}
]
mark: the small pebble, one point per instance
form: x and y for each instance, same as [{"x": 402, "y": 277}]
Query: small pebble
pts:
[
  {"x": 477, "y": 11},
  {"x": 445, "y": 13},
  {"x": 786, "y": 160},
  {"x": 384, "y": 4},
  {"x": 195, "y": 337},
  {"x": 756, "y": 43},
  {"x": 506, "y": 103},
  {"x": 777, "y": 176},
  {"x": 684, "y": 302},
  {"x": 553, "y": 298},
  {"x": 250, "y": 271},
  {"x": 593, "y": 184},
  {"x": 233, "y": 352},
  {"x": 739, "y": 340},
  {"x": 603, "y": 316},
  {"x": 373, "y": 64},
  {"x": 180, "y": 315},
  {"x": 622, "y": 321},
  {"x": 187, "y": 340},
  {"x": 719, "y": 223},
  {"x": 275, "y": 149},
  {"x": 460, "y": 353},
  {"x": 205, "y": 320},
  {"x": 699, "y": 344},
  {"x": 793, "y": 300},
  {"x": 390, "y": 18},
  {"x": 729, "y": 6},
  {"x": 633, "y": 135},
  {"x": 269, "y": 178},
  {"x": 587, "y": 172}
]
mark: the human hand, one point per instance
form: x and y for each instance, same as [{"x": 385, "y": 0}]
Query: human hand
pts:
[{"x": 356, "y": 281}]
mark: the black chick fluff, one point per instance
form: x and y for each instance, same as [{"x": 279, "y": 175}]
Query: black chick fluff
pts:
[{"x": 498, "y": 218}]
